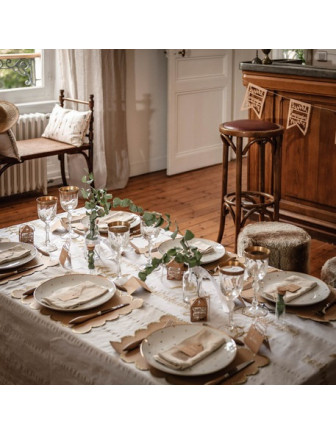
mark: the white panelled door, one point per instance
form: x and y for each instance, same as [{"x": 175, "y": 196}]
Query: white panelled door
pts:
[{"x": 199, "y": 99}]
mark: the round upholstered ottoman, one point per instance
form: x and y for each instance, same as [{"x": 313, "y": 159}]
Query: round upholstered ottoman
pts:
[
  {"x": 289, "y": 245},
  {"x": 328, "y": 272}
]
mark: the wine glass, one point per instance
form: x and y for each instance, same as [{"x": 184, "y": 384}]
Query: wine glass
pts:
[
  {"x": 256, "y": 263},
  {"x": 150, "y": 230},
  {"x": 46, "y": 209},
  {"x": 231, "y": 278},
  {"x": 118, "y": 234},
  {"x": 69, "y": 201}
]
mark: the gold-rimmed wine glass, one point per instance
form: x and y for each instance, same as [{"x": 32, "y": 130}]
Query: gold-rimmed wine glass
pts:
[
  {"x": 47, "y": 209},
  {"x": 69, "y": 201},
  {"x": 256, "y": 264},
  {"x": 231, "y": 279},
  {"x": 118, "y": 234},
  {"x": 150, "y": 230}
]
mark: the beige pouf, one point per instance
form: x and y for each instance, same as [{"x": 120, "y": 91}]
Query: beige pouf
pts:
[
  {"x": 289, "y": 245},
  {"x": 328, "y": 272}
]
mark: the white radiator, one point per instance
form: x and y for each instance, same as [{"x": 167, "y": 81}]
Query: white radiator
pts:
[{"x": 30, "y": 175}]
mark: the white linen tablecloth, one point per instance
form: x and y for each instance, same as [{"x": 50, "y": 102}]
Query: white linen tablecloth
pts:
[{"x": 34, "y": 349}]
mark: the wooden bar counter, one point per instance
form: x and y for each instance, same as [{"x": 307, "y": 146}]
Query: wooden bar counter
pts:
[{"x": 308, "y": 188}]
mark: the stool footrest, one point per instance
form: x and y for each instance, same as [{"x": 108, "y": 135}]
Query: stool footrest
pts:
[{"x": 250, "y": 200}]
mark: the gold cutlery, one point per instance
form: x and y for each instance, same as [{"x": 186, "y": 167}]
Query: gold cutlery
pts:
[
  {"x": 230, "y": 373},
  {"x": 83, "y": 318},
  {"x": 22, "y": 270},
  {"x": 323, "y": 311},
  {"x": 45, "y": 253}
]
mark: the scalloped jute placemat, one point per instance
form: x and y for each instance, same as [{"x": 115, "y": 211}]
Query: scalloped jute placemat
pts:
[
  {"x": 134, "y": 356},
  {"x": 85, "y": 327}
]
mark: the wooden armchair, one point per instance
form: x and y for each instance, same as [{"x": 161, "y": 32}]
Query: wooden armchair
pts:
[{"x": 41, "y": 147}]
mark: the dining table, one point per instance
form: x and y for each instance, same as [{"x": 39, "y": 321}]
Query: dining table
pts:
[{"x": 39, "y": 346}]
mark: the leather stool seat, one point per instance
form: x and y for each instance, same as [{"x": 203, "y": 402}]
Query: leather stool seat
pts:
[{"x": 250, "y": 125}]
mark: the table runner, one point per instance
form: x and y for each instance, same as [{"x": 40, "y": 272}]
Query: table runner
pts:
[{"x": 36, "y": 350}]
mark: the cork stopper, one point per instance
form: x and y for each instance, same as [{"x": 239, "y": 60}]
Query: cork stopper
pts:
[{"x": 90, "y": 247}]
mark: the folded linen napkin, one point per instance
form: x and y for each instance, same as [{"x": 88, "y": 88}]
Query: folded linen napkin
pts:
[
  {"x": 203, "y": 247},
  {"x": 116, "y": 216},
  {"x": 13, "y": 253},
  {"x": 73, "y": 296},
  {"x": 303, "y": 286},
  {"x": 191, "y": 350}
]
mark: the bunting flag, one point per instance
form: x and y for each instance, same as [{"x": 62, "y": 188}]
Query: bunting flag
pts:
[
  {"x": 298, "y": 115},
  {"x": 255, "y": 99}
]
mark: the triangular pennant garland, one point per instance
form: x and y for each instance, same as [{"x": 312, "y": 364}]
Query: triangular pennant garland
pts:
[
  {"x": 298, "y": 115},
  {"x": 255, "y": 99}
]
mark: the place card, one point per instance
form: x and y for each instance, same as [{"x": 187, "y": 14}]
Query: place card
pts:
[
  {"x": 256, "y": 337},
  {"x": 65, "y": 257},
  {"x": 132, "y": 285},
  {"x": 290, "y": 287},
  {"x": 199, "y": 309}
]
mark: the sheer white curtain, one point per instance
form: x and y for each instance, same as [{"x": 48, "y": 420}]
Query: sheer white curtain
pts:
[{"x": 103, "y": 74}]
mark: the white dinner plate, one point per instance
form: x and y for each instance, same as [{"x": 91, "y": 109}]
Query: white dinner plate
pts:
[
  {"x": 163, "y": 339},
  {"x": 124, "y": 215},
  {"x": 217, "y": 253},
  {"x": 47, "y": 288},
  {"x": 319, "y": 293},
  {"x": 17, "y": 262}
]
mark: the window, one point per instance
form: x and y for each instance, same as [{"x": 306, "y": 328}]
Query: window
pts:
[
  {"x": 39, "y": 93},
  {"x": 20, "y": 68}
]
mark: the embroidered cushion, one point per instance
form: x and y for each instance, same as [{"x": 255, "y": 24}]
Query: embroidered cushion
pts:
[{"x": 68, "y": 126}]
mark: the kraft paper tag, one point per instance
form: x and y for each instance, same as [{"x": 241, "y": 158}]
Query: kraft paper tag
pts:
[
  {"x": 190, "y": 350},
  {"x": 255, "y": 338},
  {"x": 290, "y": 287},
  {"x": 199, "y": 309},
  {"x": 133, "y": 284},
  {"x": 174, "y": 270},
  {"x": 65, "y": 258}
]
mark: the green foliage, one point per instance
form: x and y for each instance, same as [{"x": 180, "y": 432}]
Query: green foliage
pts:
[
  {"x": 186, "y": 254},
  {"x": 97, "y": 200}
]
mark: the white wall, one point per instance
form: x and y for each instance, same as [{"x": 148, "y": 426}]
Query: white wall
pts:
[{"x": 146, "y": 110}]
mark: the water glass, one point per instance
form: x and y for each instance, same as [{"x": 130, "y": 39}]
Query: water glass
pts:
[
  {"x": 150, "y": 232},
  {"x": 231, "y": 278},
  {"x": 118, "y": 234},
  {"x": 46, "y": 209},
  {"x": 69, "y": 201},
  {"x": 256, "y": 264}
]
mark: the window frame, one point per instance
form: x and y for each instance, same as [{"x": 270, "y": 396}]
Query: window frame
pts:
[{"x": 39, "y": 97}]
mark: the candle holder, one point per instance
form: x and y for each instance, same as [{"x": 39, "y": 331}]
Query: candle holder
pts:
[{"x": 266, "y": 60}]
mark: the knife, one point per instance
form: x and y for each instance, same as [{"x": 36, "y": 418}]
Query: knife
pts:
[
  {"x": 83, "y": 318},
  {"x": 21, "y": 270},
  {"x": 230, "y": 373}
]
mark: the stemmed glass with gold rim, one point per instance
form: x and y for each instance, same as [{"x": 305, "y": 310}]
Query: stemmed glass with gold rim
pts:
[
  {"x": 47, "y": 209},
  {"x": 256, "y": 264},
  {"x": 231, "y": 278},
  {"x": 69, "y": 201}
]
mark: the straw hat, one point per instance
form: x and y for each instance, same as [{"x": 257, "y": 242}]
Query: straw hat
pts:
[{"x": 9, "y": 114}]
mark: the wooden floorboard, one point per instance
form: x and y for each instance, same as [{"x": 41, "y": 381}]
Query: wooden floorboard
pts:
[{"x": 191, "y": 198}]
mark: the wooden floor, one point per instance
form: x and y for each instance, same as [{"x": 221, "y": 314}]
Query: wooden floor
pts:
[{"x": 192, "y": 199}]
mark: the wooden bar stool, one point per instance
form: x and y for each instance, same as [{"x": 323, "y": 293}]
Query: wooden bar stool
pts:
[{"x": 242, "y": 204}]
